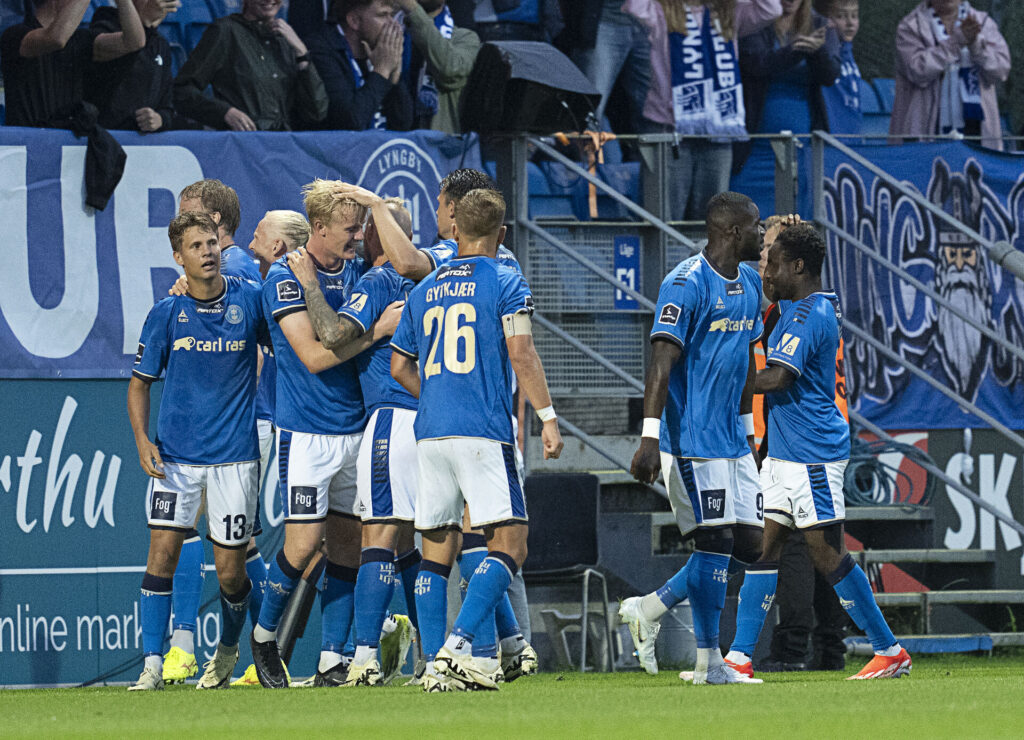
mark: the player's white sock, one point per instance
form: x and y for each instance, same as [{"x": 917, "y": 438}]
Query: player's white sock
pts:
[
  {"x": 652, "y": 607},
  {"x": 155, "y": 663},
  {"x": 184, "y": 639},
  {"x": 708, "y": 658},
  {"x": 514, "y": 644},
  {"x": 891, "y": 652},
  {"x": 737, "y": 657},
  {"x": 261, "y": 634},
  {"x": 328, "y": 659},
  {"x": 364, "y": 653},
  {"x": 459, "y": 645}
]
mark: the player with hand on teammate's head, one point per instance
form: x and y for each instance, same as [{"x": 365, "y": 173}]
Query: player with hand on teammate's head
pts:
[
  {"x": 809, "y": 449},
  {"x": 386, "y": 468},
  {"x": 468, "y": 327},
  {"x": 698, "y": 428},
  {"x": 320, "y": 418},
  {"x": 205, "y": 344}
]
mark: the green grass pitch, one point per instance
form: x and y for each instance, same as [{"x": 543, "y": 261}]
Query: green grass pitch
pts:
[{"x": 949, "y": 697}]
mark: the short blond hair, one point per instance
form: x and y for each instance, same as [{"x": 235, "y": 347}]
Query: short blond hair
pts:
[
  {"x": 401, "y": 214},
  {"x": 480, "y": 213},
  {"x": 321, "y": 205},
  {"x": 291, "y": 226}
]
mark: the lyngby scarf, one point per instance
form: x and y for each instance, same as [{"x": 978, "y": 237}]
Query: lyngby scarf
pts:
[{"x": 960, "y": 98}]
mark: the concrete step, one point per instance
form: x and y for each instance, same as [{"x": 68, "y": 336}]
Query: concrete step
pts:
[
  {"x": 931, "y": 598},
  {"x": 889, "y": 513},
  {"x": 918, "y": 555}
]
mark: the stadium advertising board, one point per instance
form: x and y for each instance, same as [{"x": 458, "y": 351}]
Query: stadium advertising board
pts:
[
  {"x": 983, "y": 189},
  {"x": 78, "y": 283}
]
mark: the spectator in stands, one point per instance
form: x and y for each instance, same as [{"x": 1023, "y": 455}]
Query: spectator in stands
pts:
[
  {"x": 682, "y": 39},
  {"x": 784, "y": 67},
  {"x": 609, "y": 42},
  {"x": 842, "y": 100},
  {"x": 441, "y": 60},
  {"x": 360, "y": 60},
  {"x": 134, "y": 91},
  {"x": 949, "y": 58},
  {"x": 518, "y": 20},
  {"x": 45, "y": 59},
  {"x": 260, "y": 72}
]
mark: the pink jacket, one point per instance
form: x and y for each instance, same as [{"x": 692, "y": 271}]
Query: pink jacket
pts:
[
  {"x": 921, "y": 61},
  {"x": 751, "y": 16}
]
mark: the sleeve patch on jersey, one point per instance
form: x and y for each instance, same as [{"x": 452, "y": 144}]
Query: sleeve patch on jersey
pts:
[
  {"x": 357, "y": 302},
  {"x": 288, "y": 290},
  {"x": 789, "y": 344},
  {"x": 670, "y": 313},
  {"x": 138, "y": 353}
]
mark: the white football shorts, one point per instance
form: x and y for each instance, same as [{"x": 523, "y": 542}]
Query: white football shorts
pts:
[
  {"x": 713, "y": 493},
  {"x": 317, "y": 475},
  {"x": 803, "y": 496},
  {"x": 456, "y": 472},
  {"x": 387, "y": 469},
  {"x": 230, "y": 492}
]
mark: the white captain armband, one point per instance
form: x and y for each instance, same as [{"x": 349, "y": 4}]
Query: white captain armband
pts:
[
  {"x": 517, "y": 324},
  {"x": 748, "y": 423}
]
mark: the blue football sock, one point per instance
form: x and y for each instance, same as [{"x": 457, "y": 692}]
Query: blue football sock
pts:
[
  {"x": 407, "y": 565},
  {"x": 505, "y": 619},
  {"x": 154, "y": 612},
  {"x": 707, "y": 578},
  {"x": 756, "y": 596},
  {"x": 282, "y": 577},
  {"x": 489, "y": 583},
  {"x": 233, "y": 608},
  {"x": 374, "y": 585},
  {"x": 188, "y": 583},
  {"x": 256, "y": 569},
  {"x": 474, "y": 550},
  {"x": 432, "y": 605},
  {"x": 856, "y": 597},
  {"x": 336, "y": 602},
  {"x": 674, "y": 590}
]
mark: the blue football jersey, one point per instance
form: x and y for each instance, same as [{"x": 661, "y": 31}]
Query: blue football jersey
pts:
[
  {"x": 329, "y": 402},
  {"x": 207, "y": 352},
  {"x": 266, "y": 389},
  {"x": 804, "y": 423},
  {"x": 452, "y": 324},
  {"x": 374, "y": 292},
  {"x": 237, "y": 262},
  {"x": 714, "y": 320},
  {"x": 445, "y": 251}
]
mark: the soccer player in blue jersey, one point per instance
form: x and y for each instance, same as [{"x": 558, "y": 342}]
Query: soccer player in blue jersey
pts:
[
  {"x": 320, "y": 418},
  {"x": 698, "y": 427},
  {"x": 206, "y": 446},
  {"x": 386, "y": 468},
  {"x": 517, "y": 656},
  {"x": 809, "y": 446},
  {"x": 467, "y": 325},
  {"x": 220, "y": 202}
]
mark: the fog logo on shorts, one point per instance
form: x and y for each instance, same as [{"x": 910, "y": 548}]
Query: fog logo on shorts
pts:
[
  {"x": 714, "y": 503},
  {"x": 163, "y": 504},
  {"x": 303, "y": 500}
]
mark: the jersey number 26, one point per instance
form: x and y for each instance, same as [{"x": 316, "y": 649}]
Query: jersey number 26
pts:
[{"x": 438, "y": 322}]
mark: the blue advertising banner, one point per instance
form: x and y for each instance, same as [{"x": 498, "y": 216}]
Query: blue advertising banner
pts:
[
  {"x": 77, "y": 283},
  {"x": 627, "y": 270},
  {"x": 983, "y": 189}
]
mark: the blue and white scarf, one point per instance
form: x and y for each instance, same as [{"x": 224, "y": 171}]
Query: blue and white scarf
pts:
[
  {"x": 707, "y": 95},
  {"x": 426, "y": 90},
  {"x": 960, "y": 97}
]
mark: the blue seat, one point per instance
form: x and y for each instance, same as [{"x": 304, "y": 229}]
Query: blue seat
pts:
[
  {"x": 886, "y": 89},
  {"x": 869, "y": 102},
  {"x": 625, "y": 179},
  {"x": 221, "y": 8}
]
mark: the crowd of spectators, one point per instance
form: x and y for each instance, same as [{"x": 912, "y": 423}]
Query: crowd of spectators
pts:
[{"x": 718, "y": 70}]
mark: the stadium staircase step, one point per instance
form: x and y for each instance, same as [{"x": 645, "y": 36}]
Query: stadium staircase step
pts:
[
  {"x": 924, "y": 599},
  {"x": 966, "y": 643},
  {"x": 914, "y": 555}
]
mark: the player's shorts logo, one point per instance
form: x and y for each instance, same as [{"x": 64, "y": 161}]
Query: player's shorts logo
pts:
[
  {"x": 185, "y": 343},
  {"x": 234, "y": 314},
  {"x": 303, "y": 500},
  {"x": 669, "y": 314},
  {"x": 288, "y": 290},
  {"x": 162, "y": 507},
  {"x": 713, "y": 503}
]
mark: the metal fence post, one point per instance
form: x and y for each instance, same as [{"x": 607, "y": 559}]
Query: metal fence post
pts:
[{"x": 785, "y": 173}]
